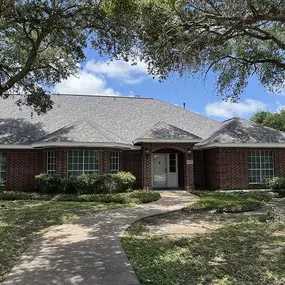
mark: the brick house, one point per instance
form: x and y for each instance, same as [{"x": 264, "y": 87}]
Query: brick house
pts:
[{"x": 163, "y": 145}]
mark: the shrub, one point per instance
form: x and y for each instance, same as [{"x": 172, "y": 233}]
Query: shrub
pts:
[
  {"x": 49, "y": 183},
  {"x": 276, "y": 184},
  {"x": 125, "y": 181},
  {"x": 86, "y": 183}
]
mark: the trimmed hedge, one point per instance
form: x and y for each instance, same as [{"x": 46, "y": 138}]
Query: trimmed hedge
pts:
[
  {"x": 136, "y": 197},
  {"x": 120, "y": 182}
]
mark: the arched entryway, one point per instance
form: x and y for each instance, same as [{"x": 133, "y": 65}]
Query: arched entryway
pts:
[{"x": 168, "y": 166}]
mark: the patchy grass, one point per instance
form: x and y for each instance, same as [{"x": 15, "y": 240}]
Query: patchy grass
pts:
[
  {"x": 242, "y": 249},
  {"x": 229, "y": 201},
  {"x": 23, "y": 221},
  {"x": 246, "y": 253}
]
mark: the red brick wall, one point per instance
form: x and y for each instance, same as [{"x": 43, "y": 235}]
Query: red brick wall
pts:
[
  {"x": 21, "y": 168},
  {"x": 227, "y": 168},
  {"x": 131, "y": 160},
  {"x": 198, "y": 168}
]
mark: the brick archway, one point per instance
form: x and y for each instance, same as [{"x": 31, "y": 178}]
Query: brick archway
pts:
[{"x": 184, "y": 148}]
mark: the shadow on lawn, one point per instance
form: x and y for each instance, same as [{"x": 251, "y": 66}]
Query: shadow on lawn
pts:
[
  {"x": 88, "y": 251},
  {"x": 243, "y": 253}
]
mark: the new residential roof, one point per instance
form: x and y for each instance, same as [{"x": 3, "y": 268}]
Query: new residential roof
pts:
[
  {"x": 121, "y": 118},
  {"x": 241, "y": 131}
]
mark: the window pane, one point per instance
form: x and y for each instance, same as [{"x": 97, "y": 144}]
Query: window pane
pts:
[
  {"x": 83, "y": 161},
  {"x": 114, "y": 161},
  {"x": 2, "y": 167},
  {"x": 172, "y": 162},
  {"x": 260, "y": 165},
  {"x": 51, "y": 162}
]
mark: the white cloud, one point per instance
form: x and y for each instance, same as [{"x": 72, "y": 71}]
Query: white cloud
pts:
[
  {"x": 91, "y": 80},
  {"x": 85, "y": 83},
  {"x": 119, "y": 69},
  {"x": 225, "y": 109}
]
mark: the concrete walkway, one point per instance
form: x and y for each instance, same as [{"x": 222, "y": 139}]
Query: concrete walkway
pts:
[{"x": 89, "y": 251}]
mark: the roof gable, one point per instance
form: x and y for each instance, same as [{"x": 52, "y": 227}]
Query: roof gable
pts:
[
  {"x": 82, "y": 131},
  {"x": 164, "y": 131},
  {"x": 238, "y": 130}
]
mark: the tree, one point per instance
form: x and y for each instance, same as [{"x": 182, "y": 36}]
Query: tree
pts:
[
  {"x": 272, "y": 120},
  {"x": 42, "y": 42},
  {"x": 236, "y": 39}
]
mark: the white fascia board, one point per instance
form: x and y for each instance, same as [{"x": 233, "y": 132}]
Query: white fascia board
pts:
[
  {"x": 82, "y": 144},
  {"x": 15, "y": 146},
  {"x": 242, "y": 145},
  {"x": 166, "y": 141}
]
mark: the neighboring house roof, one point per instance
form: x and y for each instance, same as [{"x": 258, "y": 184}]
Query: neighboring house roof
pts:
[
  {"x": 241, "y": 131},
  {"x": 162, "y": 131},
  {"x": 125, "y": 117}
]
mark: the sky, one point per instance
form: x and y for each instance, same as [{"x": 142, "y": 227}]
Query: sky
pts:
[{"x": 99, "y": 76}]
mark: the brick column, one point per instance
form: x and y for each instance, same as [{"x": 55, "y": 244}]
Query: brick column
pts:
[
  {"x": 189, "y": 172},
  {"x": 62, "y": 156},
  {"x": 147, "y": 171},
  {"x": 105, "y": 165}
]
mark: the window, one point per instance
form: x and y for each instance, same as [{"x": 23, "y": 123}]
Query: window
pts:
[
  {"x": 2, "y": 167},
  {"x": 51, "y": 162},
  {"x": 172, "y": 162},
  {"x": 83, "y": 161},
  {"x": 114, "y": 161},
  {"x": 260, "y": 165}
]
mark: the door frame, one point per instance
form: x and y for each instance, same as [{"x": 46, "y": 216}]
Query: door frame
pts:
[{"x": 167, "y": 166}]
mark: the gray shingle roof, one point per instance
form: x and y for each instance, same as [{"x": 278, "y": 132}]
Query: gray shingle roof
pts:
[
  {"x": 82, "y": 131},
  {"x": 125, "y": 117},
  {"x": 238, "y": 130},
  {"x": 162, "y": 130}
]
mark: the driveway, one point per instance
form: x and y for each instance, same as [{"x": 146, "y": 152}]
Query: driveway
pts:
[{"x": 89, "y": 251}]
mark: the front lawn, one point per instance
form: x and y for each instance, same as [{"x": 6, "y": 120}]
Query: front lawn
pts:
[
  {"x": 243, "y": 249},
  {"x": 21, "y": 221},
  {"x": 230, "y": 201}
]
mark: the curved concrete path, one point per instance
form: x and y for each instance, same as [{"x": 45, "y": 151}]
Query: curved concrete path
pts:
[{"x": 89, "y": 251}]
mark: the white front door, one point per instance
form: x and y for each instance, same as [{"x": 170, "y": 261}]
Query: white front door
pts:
[
  {"x": 159, "y": 167},
  {"x": 165, "y": 170}
]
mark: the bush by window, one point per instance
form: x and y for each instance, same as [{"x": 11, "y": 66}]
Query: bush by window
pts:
[{"x": 86, "y": 183}]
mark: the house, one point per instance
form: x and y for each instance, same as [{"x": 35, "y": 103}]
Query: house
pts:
[{"x": 163, "y": 145}]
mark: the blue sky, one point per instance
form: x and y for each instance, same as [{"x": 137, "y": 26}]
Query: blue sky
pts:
[{"x": 99, "y": 77}]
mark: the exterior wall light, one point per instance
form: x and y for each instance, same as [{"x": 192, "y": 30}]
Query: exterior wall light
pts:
[{"x": 147, "y": 152}]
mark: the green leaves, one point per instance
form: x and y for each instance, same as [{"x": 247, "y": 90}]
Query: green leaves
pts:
[{"x": 42, "y": 43}]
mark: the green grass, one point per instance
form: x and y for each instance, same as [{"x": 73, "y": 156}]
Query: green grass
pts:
[
  {"x": 21, "y": 221},
  {"x": 229, "y": 201},
  {"x": 245, "y": 253}
]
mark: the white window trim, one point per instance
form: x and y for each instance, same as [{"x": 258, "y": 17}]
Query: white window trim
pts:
[
  {"x": 83, "y": 163},
  {"x": 260, "y": 164},
  {"x": 49, "y": 170},
  {"x": 112, "y": 163},
  {"x": 2, "y": 154}
]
